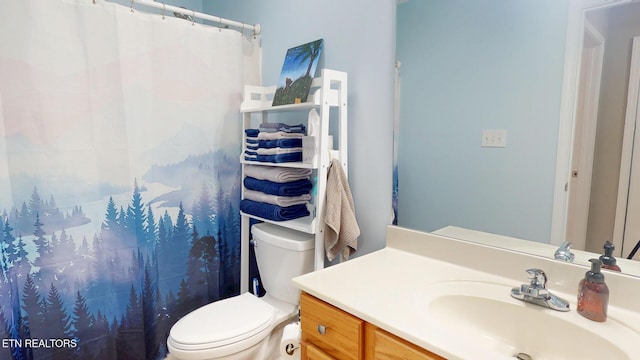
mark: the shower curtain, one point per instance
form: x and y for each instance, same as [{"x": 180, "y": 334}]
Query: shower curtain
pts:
[{"x": 119, "y": 175}]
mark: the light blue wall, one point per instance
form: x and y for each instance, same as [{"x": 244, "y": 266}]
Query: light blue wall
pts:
[
  {"x": 457, "y": 80},
  {"x": 469, "y": 66},
  {"x": 359, "y": 39}
]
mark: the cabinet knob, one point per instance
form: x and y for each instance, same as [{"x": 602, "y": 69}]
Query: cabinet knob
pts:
[{"x": 322, "y": 329}]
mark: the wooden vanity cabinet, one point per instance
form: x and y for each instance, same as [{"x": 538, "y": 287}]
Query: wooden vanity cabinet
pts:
[
  {"x": 310, "y": 352},
  {"x": 382, "y": 345},
  {"x": 329, "y": 333},
  {"x": 327, "y": 330}
]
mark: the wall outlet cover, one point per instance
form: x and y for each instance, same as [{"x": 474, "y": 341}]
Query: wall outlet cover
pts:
[{"x": 494, "y": 138}]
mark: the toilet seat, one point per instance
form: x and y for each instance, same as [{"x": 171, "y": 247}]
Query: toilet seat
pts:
[{"x": 224, "y": 326}]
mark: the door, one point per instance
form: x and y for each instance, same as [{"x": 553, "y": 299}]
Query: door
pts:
[{"x": 585, "y": 136}]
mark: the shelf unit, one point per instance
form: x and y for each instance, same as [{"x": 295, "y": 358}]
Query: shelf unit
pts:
[{"x": 329, "y": 91}]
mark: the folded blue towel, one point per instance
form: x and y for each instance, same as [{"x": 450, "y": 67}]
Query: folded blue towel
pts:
[
  {"x": 273, "y": 212},
  {"x": 252, "y": 147},
  {"x": 249, "y": 152},
  {"x": 282, "y": 143},
  {"x": 291, "y": 188},
  {"x": 252, "y": 141},
  {"x": 280, "y": 158},
  {"x": 275, "y": 127},
  {"x": 252, "y": 132}
]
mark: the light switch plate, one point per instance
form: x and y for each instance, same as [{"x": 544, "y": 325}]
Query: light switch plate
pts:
[{"x": 494, "y": 138}]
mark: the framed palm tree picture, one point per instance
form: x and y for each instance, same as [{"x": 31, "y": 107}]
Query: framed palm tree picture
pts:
[{"x": 298, "y": 70}]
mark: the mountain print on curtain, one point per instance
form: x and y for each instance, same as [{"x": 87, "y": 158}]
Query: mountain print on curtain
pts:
[{"x": 119, "y": 176}]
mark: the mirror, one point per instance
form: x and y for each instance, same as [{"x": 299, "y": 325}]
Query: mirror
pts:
[{"x": 488, "y": 95}]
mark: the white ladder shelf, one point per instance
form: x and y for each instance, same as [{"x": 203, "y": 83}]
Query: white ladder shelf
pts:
[{"x": 327, "y": 91}]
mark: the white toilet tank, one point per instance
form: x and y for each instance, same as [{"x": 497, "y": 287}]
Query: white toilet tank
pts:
[{"x": 282, "y": 254}]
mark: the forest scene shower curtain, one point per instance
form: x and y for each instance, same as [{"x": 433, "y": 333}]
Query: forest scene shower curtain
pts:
[{"x": 119, "y": 175}]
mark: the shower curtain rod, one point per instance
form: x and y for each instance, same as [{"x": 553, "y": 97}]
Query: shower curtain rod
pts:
[{"x": 217, "y": 19}]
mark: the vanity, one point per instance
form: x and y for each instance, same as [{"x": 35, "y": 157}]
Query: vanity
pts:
[
  {"x": 426, "y": 296},
  {"x": 331, "y": 333}
]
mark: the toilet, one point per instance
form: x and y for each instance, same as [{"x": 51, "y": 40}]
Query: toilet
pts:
[{"x": 245, "y": 326}]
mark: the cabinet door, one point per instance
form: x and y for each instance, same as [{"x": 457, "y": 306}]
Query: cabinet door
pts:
[
  {"x": 330, "y": 329},
  {"x": 310, "y": 352},
  {"x": 381, "y": 345}
]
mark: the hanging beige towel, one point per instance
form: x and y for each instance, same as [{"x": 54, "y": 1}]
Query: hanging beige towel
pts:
[{"x": 341, "y": 229}]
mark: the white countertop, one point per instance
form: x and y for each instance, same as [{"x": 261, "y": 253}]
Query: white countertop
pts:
[{"x": 388, "y": 287}]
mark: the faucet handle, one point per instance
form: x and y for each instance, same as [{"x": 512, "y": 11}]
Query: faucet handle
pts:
[{"x": 538, "y": 278}]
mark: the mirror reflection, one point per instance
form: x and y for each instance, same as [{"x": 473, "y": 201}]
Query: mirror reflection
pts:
[{"x": 480, "y": 138}]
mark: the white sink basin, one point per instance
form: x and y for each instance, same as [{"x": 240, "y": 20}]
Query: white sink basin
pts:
[{"x": 483, "y": 317}]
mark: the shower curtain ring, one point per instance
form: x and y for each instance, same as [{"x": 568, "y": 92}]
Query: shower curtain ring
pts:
[
  {"x": 132, "y": 5},
  {"x": 163, "y": 10},
  {"x": 193, "y": 17}
]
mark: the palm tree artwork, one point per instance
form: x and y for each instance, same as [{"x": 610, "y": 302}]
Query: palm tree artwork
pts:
[{"x": 298, "y": 70}]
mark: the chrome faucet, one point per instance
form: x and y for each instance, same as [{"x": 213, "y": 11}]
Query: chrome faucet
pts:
[
  {"x": 536, "y": 292},
  {"x": 564, "y": 252}
]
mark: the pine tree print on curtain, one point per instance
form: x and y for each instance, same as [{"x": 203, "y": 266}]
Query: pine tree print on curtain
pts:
[{"x": 119, "y": 176}]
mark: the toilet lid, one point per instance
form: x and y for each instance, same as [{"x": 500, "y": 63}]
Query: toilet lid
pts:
[{"x": 223, "y": 322}]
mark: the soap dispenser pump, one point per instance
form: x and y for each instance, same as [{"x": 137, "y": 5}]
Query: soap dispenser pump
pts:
[
  {"x": 608, "y": 261},
  {"x": 593, "y": 294}
]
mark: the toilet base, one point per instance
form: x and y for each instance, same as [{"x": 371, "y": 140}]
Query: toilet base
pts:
[{"x": 273, "y": 344}]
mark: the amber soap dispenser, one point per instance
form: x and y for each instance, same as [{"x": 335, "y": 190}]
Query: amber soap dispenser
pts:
[
  {"x": 608, "y": 261},
  {"x": 593, "y": 294}
]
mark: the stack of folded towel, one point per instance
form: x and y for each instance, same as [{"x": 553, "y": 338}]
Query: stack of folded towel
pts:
[
  {"x": 274, "y": 142},
  {"x": 276, "y": 193}
]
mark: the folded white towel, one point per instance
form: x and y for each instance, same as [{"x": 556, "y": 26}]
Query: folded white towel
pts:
[
  {"x": 277, "y": 150},
  {"x": 277, "y": 174},
  {"x": 341, "y": 228},
  {"x": 275, "y": 199},
  {"x": 278, "y": 135}
]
